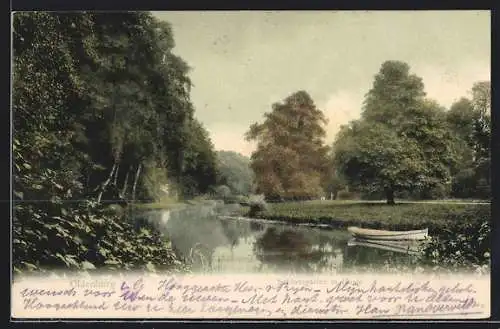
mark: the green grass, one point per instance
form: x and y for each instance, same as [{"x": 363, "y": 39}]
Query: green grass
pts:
[{"x": 435, "y": 216}]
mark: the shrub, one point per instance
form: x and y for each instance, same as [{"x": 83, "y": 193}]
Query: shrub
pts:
[
  {"x": 222, "y": 192},
  {"x": 466, "y": 244},
  {"x": 257, "y": 207},
  {"x": 83, "y": 237}
]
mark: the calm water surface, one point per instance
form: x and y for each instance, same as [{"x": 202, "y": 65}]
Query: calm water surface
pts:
[{"x": 249, "y": 246}]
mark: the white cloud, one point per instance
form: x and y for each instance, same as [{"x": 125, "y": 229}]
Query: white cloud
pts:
[
  {"x": 446, "y": 85},
  {"x": 231, "y": 138},
  {"x": 340, "y": 108}
]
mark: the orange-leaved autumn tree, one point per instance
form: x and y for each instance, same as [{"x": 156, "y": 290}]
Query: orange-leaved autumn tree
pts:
[{"x": 291, "y": 158}]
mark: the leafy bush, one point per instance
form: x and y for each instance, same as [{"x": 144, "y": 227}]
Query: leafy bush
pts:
[
  {"x": 257, "y": 207},
  {"x": 463, "y": 243},
  {"x": 222, "y": 192},
  {"x": 86, "y": 237}
]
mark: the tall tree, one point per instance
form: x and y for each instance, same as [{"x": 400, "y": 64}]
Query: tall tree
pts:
[
  {"x": 374, "y": 158},
  {"x": 481, "y": 100},
  {"x": 470, "y": 121},
  {"x": 395, "y": 91},
  {"x": 401, "y": 142},
  {"x": 290, "y": 159},
  {"x": 199, "y": 172},
  {"x": 461, "y": 118}
]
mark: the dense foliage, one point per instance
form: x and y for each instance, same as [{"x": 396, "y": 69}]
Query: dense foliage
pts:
[
  {"x": 470, "y": 120},
  {"x": 407, "y": 145},
  {"x": 291, "y": 160},
  {"x": 101, "y": 113},
  {"x": 234, "y": 171},
  {"x": 401, "y": 142},
  {"x": 465, "y": 242}
]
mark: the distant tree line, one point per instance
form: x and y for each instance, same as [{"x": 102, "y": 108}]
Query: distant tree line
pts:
[{"x": 234, "y": 176}]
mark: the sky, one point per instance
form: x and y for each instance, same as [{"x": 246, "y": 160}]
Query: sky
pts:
[{"x": 244, "y": 61}]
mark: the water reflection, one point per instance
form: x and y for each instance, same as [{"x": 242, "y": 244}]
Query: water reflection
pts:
[
  {"x": 211, "y": 244},
  {"x": 291, "y": 250},
  {"x": 361, "y": 256},
  {"x": 256, "y": 226}
]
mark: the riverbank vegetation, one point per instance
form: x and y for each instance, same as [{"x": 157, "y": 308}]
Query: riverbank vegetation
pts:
[
  {"x": 377, "y": 215},
  {"x": 459, "y": 232},
  {"x": 102, "y": 115}
]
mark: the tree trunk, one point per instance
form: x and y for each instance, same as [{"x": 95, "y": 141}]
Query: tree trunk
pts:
[
  {"x": 116, "y": 174},
  {"x": 389, "y": 193},
  {"x": 180, "y": 159},
  {"x": 125, "y": 185},
  {"x": 106, "y": 183},
  {"x": 136, "y": 179}
]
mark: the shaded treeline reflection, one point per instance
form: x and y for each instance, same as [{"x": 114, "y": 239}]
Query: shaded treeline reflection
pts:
[
  {"x": 210, "y": 244},
  {"x": 291, "y": 250}
]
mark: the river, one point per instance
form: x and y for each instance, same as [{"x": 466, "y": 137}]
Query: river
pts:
[{"x": 236, "y": 245}]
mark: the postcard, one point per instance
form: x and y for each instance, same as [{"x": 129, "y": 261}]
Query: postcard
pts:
[{"x": 296, "y": 165}]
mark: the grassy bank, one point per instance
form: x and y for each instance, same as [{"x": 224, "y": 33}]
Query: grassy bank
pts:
[
  {"x": 460, "y": 233},
  {"x": 404, "y": 216}
]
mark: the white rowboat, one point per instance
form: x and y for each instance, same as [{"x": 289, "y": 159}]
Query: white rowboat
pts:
[{"x": 370, "y": 234}]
